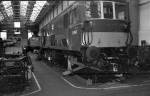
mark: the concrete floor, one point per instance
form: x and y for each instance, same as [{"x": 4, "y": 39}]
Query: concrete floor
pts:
[{"x": 53, "y": 85}]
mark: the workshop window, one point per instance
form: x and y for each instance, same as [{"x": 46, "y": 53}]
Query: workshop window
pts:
[
  {"x": 53, "y": 12},
  {"x": 46, "y": 19},
  {"x": 71, "y": 17},
  {"x": 59, "y": 8},
  {"x": 51, "y": 15},
  {"x": 59, "y": 43},
  {"x": 55, "y": 44},
  {"x": 67, "y": 3},
  {"x": 66, "y": 20},
  {"x": 76, "y": 16},
  {"x": 71, "y": 2},
  {"x": 64, "y": 5}
]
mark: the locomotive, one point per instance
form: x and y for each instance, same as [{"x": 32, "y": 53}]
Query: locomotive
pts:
[
  {"x": 33, "y": 43},
  {"x": 89, "y": 34}
]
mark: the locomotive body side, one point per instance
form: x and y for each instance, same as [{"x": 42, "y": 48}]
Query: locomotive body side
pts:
[{"x": 57, "y": 34}]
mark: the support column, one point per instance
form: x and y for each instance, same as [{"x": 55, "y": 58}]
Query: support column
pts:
[{"x": 134, "y": 18}]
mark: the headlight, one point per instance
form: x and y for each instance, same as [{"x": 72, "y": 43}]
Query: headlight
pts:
[{"x": 121, "y": 49}]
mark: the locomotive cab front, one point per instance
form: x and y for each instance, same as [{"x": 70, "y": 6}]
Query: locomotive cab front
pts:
[
  {"x": 105, "y": 36},
  {"x": 107, "y": 26}
]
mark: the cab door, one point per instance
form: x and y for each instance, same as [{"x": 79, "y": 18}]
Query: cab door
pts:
[{"x": 75, "y": 34}]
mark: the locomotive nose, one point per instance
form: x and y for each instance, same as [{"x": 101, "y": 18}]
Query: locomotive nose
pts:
[{"x": 92, "y": 53}]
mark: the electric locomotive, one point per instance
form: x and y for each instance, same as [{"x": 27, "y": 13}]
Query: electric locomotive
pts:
[
  {"x": 93, "y": 34},
  {"x": 33, "y": 43}
]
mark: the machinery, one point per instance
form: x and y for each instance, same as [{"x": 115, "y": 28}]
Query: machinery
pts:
[
  {"x": 139, "y": 57},
  {"x": 15, "y": 68},
  {"x": 89, "y": 34}
]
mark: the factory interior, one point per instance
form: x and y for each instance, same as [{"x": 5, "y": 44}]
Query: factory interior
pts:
[{"x": 74, "y": 48}]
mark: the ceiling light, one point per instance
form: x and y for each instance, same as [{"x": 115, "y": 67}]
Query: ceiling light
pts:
[
  {"x": 17, "y": 24},
  {"x": 17, "y": 32}
]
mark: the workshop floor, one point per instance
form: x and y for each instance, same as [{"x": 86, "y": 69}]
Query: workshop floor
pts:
[{"x": 51, "y": 83}]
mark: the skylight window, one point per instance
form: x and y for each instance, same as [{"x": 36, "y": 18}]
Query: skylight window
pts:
[
  {"x": 1, "y": 16},
  {"x": 17, "y": 24},
  {"x": 8, "y": 7},
  {"x": 23, "y": 7},
  {"x": 3, "y": 35},
  {"x": 36, "y": 10}
]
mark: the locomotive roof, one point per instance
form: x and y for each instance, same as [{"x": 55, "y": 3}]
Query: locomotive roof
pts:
[{"x": 111, "y": 0}]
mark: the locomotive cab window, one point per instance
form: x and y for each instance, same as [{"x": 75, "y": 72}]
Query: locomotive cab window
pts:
[
  {"x": 105, "y": 10},
  {"x": 93, "y": 9},
  {"x": 120, "y": 9},
  {"x": 108, "y": 10}
]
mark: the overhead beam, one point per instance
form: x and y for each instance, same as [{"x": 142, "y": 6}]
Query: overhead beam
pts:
[
  {"x": 30, "y": 9},
  {"x": 2, "y": 9},
  {"x": 16, "y": 10}
]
